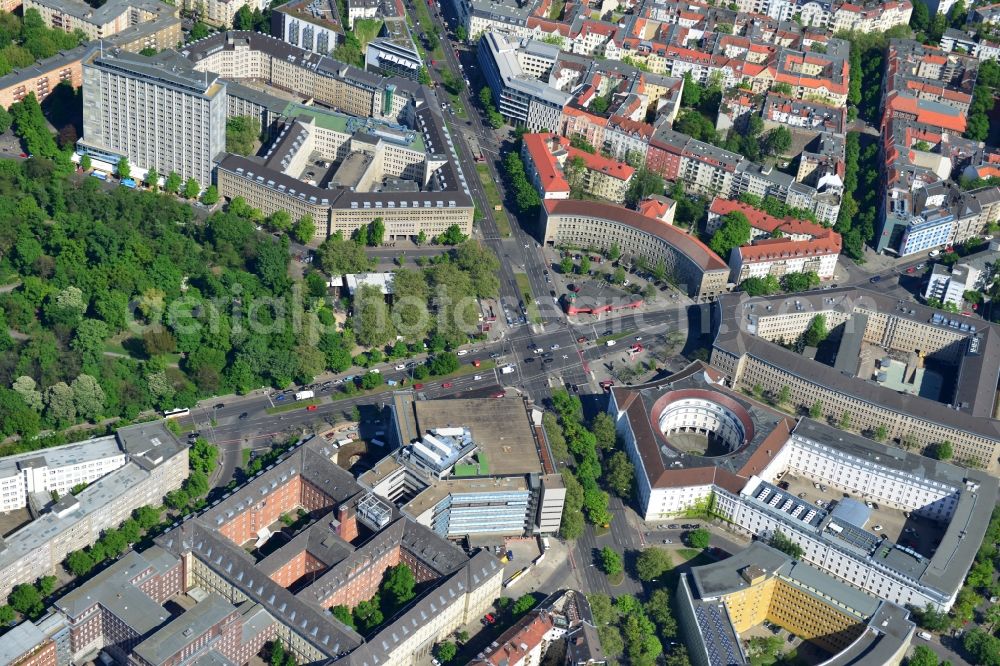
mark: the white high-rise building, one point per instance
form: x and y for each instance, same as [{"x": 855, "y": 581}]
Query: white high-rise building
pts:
[{"x": 157, "y": 111}]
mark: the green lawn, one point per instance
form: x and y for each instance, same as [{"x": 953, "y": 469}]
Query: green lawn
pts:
[
  {"x": 525, "y": 288},
  {"x": 424, "y": 18},
  {"x": 291, "y": 406},
  {"x": 615, "y": 336},
  {"x": 689, "y": 553},
  {"x": 366, "y": 30},
  {"x": 493, "y": 199}
]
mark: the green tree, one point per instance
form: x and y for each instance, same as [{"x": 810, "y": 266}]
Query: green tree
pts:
[
  {"x": 399, "y": 585},
  {"x": 146, "y": 516},
  {"x": 7, "y": 615},
  {"x": 124, "y": 170},
  {"x": 152, "y": 179},
  {"x": 566, "y": 265},
  {"x": 79, "y": 563},
  {"x": 173, "y": 183},
  {"x": 734, "y": 232},
  {"x": 699, "y": 538},
  {"x": 784, "y": 395},
  {"x": 611, "y": 562},
  {"x": 523, "y": 604},
  {"x": 658, "y": 610},
  {"x": 778, "y": 140},
  {"x": 26, "y": 600},
  {"x": 880, "y": 434},
  {"x": 211, "y": 195},
  {"x": 343, "y": 613},
  {"x": 16, "y": 417},
  {"x": 619, "y": 473},
  {"x": 85, "y": 161},
  {"x": 764, "y": 648},
  {"x": 644, "y": 183},
  {"x": 817, "y": 332},
  {"x": 603, "y": 428},
  {"x": 445, "y": 651},
  {"x": 618, "y": 276},
  {"x": 368, "y": 615},
  {"x": 816, "y": 411},
  {"x": 461, "y": 34},
  {"x": 304, "y": 230},
  {"x": 922, "y": 655},
  {"x": 920, "y": 18},
  {"x": 781, "y": 542},
  {"x": 423, "y": 76},
  {"x": 191, "y": 189},
  {"x": 942, "y": 450},
  {"x": 376, "y": 232},
  {"x": 653, "y": 563}
]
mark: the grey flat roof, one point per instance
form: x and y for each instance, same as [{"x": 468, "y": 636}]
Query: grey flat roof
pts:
[
  {"x": 21, "y": 639},
  {"x": 114, "y": 590},
  {"x": 184, "y": 630},
  {"x": 107, "y": 12},
  {"x": 149, "y": 443},
  {"x": 736, "y": 317},
  {"x": 947, "y": 568},
  {"x": 168, "y": 67},
  {"x": 43, "y": 67},
  {"x": 62, "y": 456}
]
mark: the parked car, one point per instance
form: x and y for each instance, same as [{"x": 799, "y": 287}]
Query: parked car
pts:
[
  {"x": 447, "y": 385},
  {"x": 311, "y": 408}
]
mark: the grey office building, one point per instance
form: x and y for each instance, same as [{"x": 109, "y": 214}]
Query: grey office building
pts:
[{"x": 158, "y": 111}]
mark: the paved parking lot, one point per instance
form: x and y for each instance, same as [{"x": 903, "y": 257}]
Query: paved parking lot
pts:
[{"x": 918, "y": 533}]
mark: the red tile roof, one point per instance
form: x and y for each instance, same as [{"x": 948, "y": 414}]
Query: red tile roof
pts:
[
  {"x": 761, "y": 220},
  {"x": 688, "y": 245},
  {"x": 773, "y": 249},
  {"x": 550, "y": 175}
]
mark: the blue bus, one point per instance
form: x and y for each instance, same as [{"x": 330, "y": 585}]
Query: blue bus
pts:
[
  {"x": 128, "y": 182},
  {"x": 100, "y": 175}
]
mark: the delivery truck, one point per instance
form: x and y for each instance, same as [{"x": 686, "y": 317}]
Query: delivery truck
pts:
[{"x": 305, "y": 395}]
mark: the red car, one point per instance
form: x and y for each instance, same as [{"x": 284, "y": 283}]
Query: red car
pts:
[
  {"x": 418, "y": 386},
  {"x": 490, "y": 619},
  {"x": 501, "y": 394},
  {"x": 311, "y": 408},
  {"x": 582, "y": 338},
  {"x": 447, "y": 385},
  {"x": 477, "y": 363}
]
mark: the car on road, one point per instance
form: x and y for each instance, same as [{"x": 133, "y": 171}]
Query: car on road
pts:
[
  {"x": 582, "y": 338},
  {"x": 461, "y": 352},
  {"x": 194, "y": 435},
  {"x": 220, "y": 405},
  {"x": 495, "y": 355},
  {"x": 489, "y": 618},
  {"x": 447, "y": 385},
  {"x": 554, "y": 347},
  {"x": 638, "y": 338},
  {"x": 401, "y": 366},
  {"x": 924, "y": 635},
  {"x": 476, "y": 378},
  {"x": 673, "y": 527},
  {"x": 910, "y": 269},
  {"x": 547, "y": 360},
  {"x": 279, "y": 397},
  {"x": 666, "y": 541},
  {"x": 244, "y": 415},
  {"x": 802, "y": 495},
  {"x": 311, "y": 408},
  {"x": 607, "y": 332},
  {"x": 499, "y": 394},
  {"x": 876, "y": 528},
  {"x": 875, "y": 279},
  {"x": 691, "y": 526}
]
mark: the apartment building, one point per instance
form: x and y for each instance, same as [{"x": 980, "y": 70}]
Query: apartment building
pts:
[
  {"x": 361, "y": 9},
  {"x": 156, "y": 111},
  {"x": 484, "y": 16},
  {"x": 42, "y": 77},
  {"x": 745, "y": 350},
  {"x": 691, "y": 265},
  {"x": 779, "y": 257},
  {"x": 719, "y": 602},
  {"x": 56, "y": 470},
  {"x": 314, "y": 25},
  {"x": 111, "y": 18},
  {"x": 156, "y": 464},
  {"x": 221, "y": 12},
  {"x": 803, "y": 115},
  {"x": 555, "y": 168}
]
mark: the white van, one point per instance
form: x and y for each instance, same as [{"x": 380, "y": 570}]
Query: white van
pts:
[
  {"x": 924, "y": 635},
  {"x": 611, "y": 343}
]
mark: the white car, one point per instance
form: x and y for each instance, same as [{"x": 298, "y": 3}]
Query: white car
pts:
[
  {"x": 611, "y": 343},
  {"x": 554, "y": 347},
  {"x": 401, "y": 366},
  {"x": 462, "y": 352},
  {"x": 539, "y": 350},
  {"x": 375, "y": 371},
  {"x": 477, "y": 378},
  {"x": 876, "y": 528}
]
